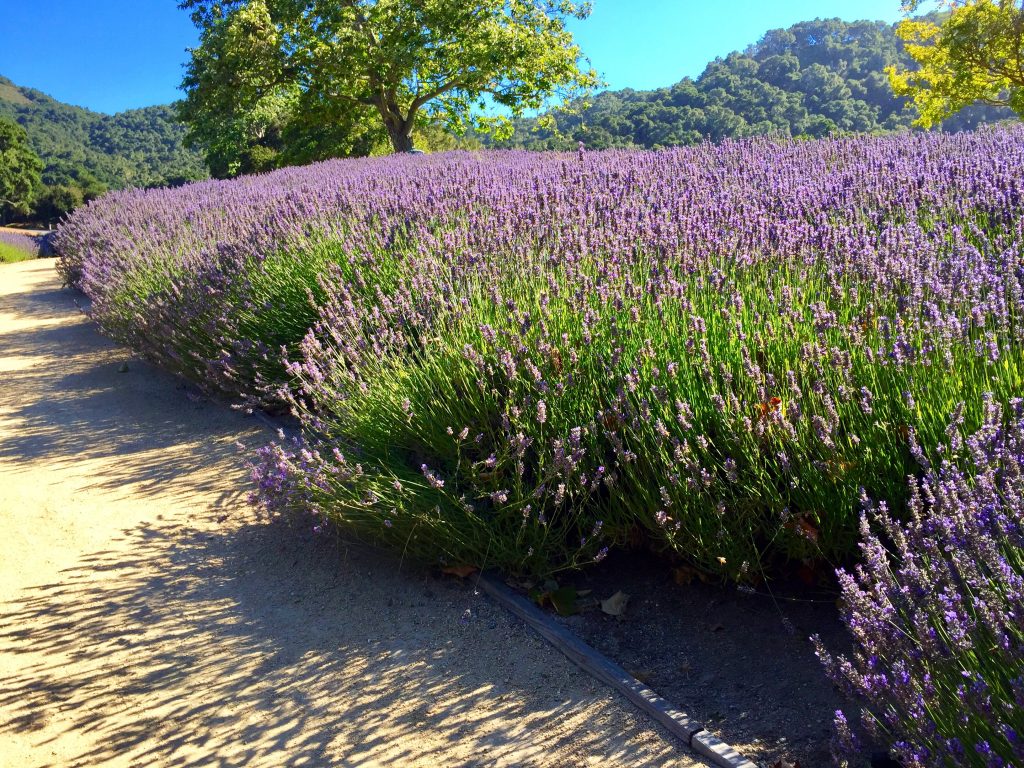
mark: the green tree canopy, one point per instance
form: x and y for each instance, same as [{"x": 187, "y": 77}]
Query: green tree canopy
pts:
[
  {"x": 20, "y": 169},
  {"x": 136, "y": 148},
  {"x": 974, "y": 54},
  {"x": 275, "y": 73}
]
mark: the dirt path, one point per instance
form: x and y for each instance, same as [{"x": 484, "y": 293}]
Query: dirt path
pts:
[
  {"x": 20, "y": 231},
  {"x": 147, "y": 618}
]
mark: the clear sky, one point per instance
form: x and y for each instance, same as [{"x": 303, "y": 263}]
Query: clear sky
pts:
[{"x": 110, "y": 55}]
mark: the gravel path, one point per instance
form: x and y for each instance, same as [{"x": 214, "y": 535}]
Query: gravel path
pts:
[{"x": 148, "y": 618}]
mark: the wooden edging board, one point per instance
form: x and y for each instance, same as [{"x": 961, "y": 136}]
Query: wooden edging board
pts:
[{"x": 604, "y": 669}]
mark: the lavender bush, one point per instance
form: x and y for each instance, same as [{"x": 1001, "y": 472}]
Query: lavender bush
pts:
[
  {"x": 938, "y": 616},
  {"x": 523, "y": 359}
]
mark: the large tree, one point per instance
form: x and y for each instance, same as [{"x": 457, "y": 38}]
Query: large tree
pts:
[
  {"x": 20, "y": 170},
  {"x": 974, "y": 53},
  {"x": 338, "y": 74}
]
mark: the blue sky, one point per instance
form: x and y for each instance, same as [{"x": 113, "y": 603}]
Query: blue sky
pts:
[{"x": 110, "y": 55}]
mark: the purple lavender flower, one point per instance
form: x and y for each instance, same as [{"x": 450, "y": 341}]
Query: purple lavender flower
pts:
[{"x": 936, "y": 620}]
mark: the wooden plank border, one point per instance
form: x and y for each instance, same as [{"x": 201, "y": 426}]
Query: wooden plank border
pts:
[{"x": 678, "y": 723}]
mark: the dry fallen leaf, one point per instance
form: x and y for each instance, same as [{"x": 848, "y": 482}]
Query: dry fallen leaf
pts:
[
  {"x": 564, "y": 601},
  {"x": 808, "y": 574},
  {"x": 786, "y": 763},
  {"x": 616, "y": 604},
  {"x": 462, "y": 571},
  {"x": 685, "y": 574}
]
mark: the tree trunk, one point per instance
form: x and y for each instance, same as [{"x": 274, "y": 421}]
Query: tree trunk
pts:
[
  {"x": 401, "y": 140},
  {"x": 399, "y": 127}
]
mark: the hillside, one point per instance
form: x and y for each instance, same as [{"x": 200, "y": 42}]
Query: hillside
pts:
[
  {"x": 812, "y": 79},
  {"x": 137, "y": 148}
]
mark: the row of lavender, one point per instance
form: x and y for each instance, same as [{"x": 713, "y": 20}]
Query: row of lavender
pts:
[
  {"x": 523, "y": 360},
  {"x": 718, "y": 347},
  {"x": 937, "y": 609},
  {"x": 29, "y": 244}
]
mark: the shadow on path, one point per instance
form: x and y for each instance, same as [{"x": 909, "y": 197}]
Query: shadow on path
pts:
[
  {"x": 230, "y": 648},
  {"x": 208, "y": 637},
  {"x": 77, "y": 405}
]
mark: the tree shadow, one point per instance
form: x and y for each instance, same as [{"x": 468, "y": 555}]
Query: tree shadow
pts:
[
  {"x": 84, "y": 399},
  {"x": 197, "y": 640},
  {"x": 266, "y": 644}
]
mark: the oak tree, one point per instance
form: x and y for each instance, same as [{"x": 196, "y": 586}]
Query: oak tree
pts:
[
  {"x": 277, "y": 73},
  {"x": 20, "y": 170}
]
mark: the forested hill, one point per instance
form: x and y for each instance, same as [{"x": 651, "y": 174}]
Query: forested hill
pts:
[
  {"x": 140, "y": 147},
  {"x": 813, "y": 79}
]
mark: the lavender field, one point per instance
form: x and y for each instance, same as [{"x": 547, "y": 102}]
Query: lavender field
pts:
[
  {"x": 527, "y": 358},
  {"x": 723, "y": 353}
]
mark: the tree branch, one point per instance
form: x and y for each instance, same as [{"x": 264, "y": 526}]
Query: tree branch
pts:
[{"x": 431, "y": 95}]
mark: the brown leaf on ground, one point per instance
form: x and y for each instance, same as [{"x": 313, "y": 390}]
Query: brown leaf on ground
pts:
[
  {"x": 564, "y": 601},
  {"x": 685, "y": 574},
  {"x": 809, "y": 574}
]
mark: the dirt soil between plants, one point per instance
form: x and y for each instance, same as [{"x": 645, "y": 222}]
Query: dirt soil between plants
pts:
[
  {"x": 149, "y": 618},
  {"x": 738, "y": 661}
]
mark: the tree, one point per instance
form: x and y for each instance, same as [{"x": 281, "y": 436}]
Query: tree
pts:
[
  {"x": 374, "y": 65},
  {"x": 974, "y": 54},
  {"x": 58, "y": 201},
  {"x": 20, "y": 170},
  {"x": 137, "y": 148},
  {"x": 239, "y": 92}
]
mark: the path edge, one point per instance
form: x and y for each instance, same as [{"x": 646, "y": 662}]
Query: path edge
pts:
[{"x": 694, "y": 735}]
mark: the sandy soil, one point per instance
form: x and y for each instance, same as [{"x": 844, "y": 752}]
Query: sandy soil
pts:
[{"x": 148, "y": 618}]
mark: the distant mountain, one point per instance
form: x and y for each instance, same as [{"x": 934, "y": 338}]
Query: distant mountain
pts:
[
  {"x": 140, "y": 147},
  {"x": 813, "y": 79}
]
